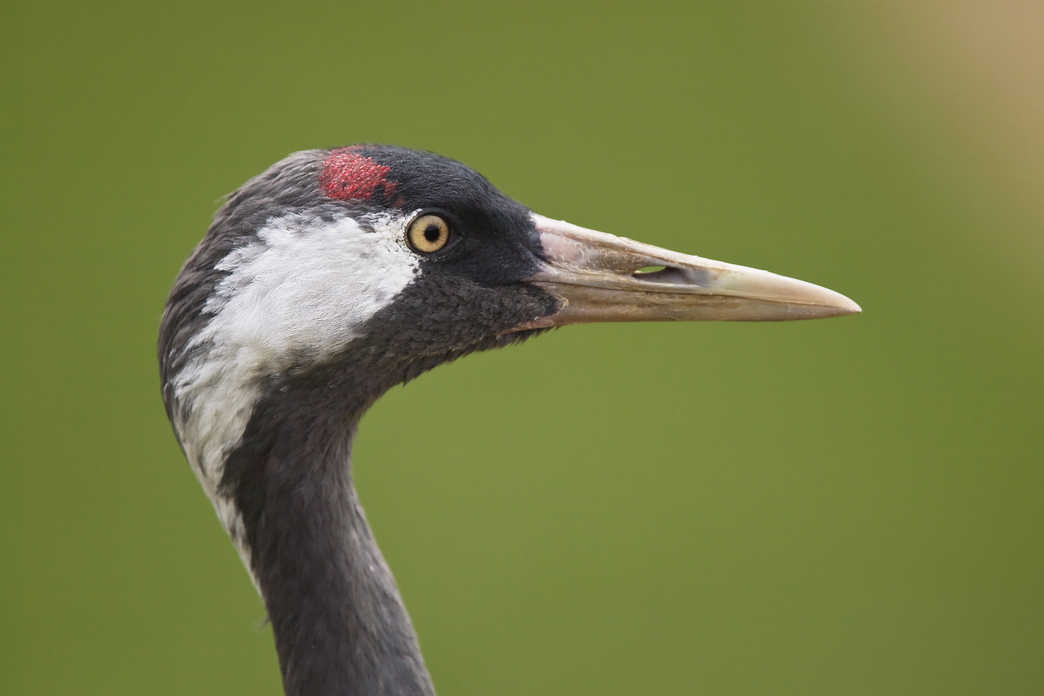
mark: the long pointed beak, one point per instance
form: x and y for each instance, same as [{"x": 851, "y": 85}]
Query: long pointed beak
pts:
[{"x": 598, "y": 277}]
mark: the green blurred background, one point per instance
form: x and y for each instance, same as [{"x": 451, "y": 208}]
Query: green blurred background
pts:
[{"x": 851, "y": 506}]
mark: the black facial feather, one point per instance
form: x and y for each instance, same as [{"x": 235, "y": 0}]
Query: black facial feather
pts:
[{"x": 495, "y": 241}]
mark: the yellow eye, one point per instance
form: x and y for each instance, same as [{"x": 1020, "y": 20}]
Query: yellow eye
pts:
[{"x": 428, "y": 233}]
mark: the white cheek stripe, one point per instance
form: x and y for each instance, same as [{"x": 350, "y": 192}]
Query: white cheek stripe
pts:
[{"x": 298, "y": 294}]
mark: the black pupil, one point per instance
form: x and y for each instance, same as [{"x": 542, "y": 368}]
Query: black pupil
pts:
[{"x": 432, "y": 233}]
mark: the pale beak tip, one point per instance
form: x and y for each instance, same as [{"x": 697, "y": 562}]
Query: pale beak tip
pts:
[
  {"x": 836, "y": 306},
  {"x": 847, "y": 306}
]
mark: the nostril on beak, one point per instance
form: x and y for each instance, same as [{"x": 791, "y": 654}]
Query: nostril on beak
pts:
[
  {"x": 646, "y": 270},
  {"x": 659, "y": 274}
]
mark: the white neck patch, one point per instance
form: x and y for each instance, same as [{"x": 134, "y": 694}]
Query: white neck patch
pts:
[{"x": 299, "y": 293}]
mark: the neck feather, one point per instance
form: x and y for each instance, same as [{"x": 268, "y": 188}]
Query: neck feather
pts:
[{"x": 339, "y": 622}]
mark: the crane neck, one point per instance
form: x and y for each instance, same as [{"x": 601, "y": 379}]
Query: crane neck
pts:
[{"x": 339, "y": 622}]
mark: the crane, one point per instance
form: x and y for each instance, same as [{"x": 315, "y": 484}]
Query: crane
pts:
[{"x": 335, "y": 275}]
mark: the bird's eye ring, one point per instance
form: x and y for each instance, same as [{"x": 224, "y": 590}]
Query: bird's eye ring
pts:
[{"x": 428, "y": 233}]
